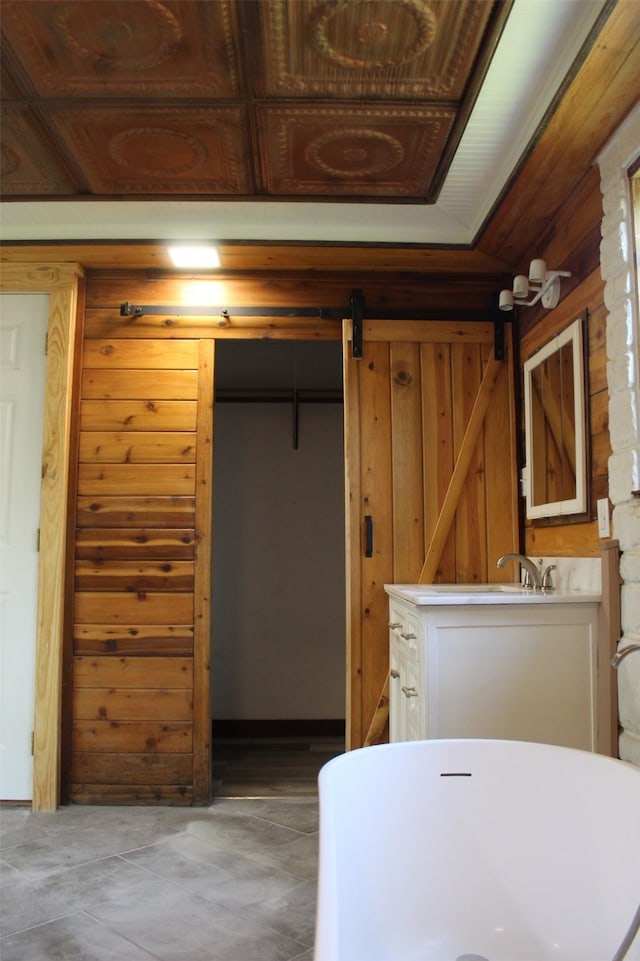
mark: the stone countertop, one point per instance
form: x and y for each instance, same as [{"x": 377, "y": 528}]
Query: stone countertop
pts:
[{"x": 431, "y": 595}]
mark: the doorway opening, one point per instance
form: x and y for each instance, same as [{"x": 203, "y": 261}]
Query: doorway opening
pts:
[{"x": 278, "y": 591}]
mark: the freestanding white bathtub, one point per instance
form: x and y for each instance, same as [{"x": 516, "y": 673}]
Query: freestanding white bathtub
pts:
[{"x": 466, "y": 850}]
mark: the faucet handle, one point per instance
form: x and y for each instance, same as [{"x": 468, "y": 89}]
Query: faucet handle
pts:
[{"x": 547, "y": 580}]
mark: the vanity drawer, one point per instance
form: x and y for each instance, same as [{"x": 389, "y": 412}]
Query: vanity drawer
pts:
[{"x": 404, "y": 625}]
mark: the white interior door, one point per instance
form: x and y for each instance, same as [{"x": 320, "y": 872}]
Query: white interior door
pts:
[{"x": 23, "y": 326}]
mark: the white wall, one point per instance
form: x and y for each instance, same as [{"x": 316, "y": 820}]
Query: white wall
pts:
[
  {"x": 623, "y": 375},
  {"x": 278, "y": 563}
]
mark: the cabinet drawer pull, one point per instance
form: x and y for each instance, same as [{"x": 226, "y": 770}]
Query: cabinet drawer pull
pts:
[
  {"x": 394, "y": 673},
  {"x": 408, "y": 637},
  {"x": 409, "y": 691},
  {"x": 394, "y": 625}
]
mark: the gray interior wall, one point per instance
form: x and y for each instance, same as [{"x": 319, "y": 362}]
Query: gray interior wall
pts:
[{"x": 278, "y": 644}]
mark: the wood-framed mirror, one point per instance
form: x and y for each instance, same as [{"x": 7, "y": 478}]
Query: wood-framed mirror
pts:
[{"x": 555, "y": 427}]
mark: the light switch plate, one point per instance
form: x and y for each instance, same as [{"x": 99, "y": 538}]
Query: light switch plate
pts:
[{"x": 604, "y": 527}]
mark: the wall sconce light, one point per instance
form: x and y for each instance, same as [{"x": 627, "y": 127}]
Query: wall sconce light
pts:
[{"x": 543, "y": 284}]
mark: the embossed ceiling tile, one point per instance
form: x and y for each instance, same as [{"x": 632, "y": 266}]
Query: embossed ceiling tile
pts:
[
  {"x": 125, "y": 47},
  {"x": 28, "y": 162},
  {"x": 158, "y": 150},
  {"x": 352, "y": 151},
  {"x": 355, "y": 48}
]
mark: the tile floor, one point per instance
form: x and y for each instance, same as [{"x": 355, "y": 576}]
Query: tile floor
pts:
[{"x": 232, "y": 882}]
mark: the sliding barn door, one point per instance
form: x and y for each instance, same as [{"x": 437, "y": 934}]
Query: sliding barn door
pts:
[
  {"x": 140, "y": 706},
  {"x": 431, "y": 476}
]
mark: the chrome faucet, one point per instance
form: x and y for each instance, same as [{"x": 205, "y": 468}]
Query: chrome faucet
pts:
[
  {"x": 620, "y": 656},
  {"x": 547, "y": 578},
  {"x": 527, "y": 563}
]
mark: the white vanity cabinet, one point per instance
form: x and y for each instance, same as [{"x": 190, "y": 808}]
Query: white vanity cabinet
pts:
[{"x": 514, "y": 668}]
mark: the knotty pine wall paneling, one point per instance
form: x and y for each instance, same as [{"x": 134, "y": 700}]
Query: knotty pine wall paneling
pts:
[
  {"x": 572, "y": 243},
  {"x": 134, "y": 660}
]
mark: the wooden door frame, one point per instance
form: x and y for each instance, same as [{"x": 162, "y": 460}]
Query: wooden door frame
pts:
[{"x": 62, "y": 284}]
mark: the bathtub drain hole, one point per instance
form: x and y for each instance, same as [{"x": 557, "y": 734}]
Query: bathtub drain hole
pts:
[{"x": 471, "y": 957}]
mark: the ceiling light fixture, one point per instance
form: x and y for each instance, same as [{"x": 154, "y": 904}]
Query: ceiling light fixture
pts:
[
  {"x": 199, "y": 257},
  {"x": 542, "y": 283}
]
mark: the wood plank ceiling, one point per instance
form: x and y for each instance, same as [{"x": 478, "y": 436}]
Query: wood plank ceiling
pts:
[{"x": 290, "y": 99}]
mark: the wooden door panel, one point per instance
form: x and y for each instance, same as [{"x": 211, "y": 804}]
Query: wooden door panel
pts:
[
  {"x": 92, "y": 769},
  {"x": 100, "y": 323},
  {"x": 146, "y": 385},
  {"x": 113, "y": 704},
  {"x": 470, "y": 533},
  {"x": 427, "y": 332},
  {"x": 152, "y": 354},
  {"x": 133, "y": 415},
  {"x": 418, "y": 435},
  {"x": 124, "y": 543},
  {"x": 375, "y": 502},
  {"x": 437, "y": 424},
  {"x": 124, "y": 479},
  {"x": 136, "y": 512},
  {"x": 152, "y": 673},
  {"x": 143, "y": 794},
  {"x": 406, "y": 459},
  {"x": 134, "y": 576},
  {"x": 143, "y": 447},
  {"x": 130, "y": 737},
  {"x": 144, "y": 607},
  {"x": 140, "y": 640}
]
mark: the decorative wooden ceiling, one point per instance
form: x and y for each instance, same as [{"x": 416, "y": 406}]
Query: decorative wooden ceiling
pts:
[{"x": 239, "y": 99}]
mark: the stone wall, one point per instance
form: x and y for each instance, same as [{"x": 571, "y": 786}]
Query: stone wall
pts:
[{"x": 617, "y": 255}]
